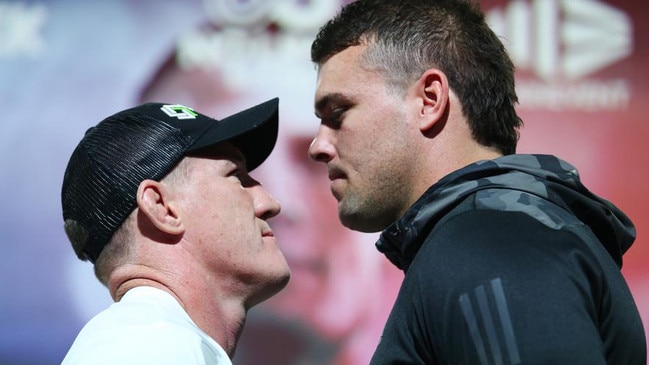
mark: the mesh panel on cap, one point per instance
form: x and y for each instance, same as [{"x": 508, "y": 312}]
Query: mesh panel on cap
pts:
[{"x": 106, "y": 169}]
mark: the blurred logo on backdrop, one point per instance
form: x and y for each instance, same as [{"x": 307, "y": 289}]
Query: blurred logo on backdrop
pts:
[
  {"x": 563, "y": 43},
  {"x": 241, "y": 33}
]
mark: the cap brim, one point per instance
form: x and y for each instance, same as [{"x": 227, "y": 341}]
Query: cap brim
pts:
[{"x": 253, "y": 131}]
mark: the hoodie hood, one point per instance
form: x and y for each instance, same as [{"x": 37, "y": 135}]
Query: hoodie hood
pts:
[{"x": 544, "y": 176}]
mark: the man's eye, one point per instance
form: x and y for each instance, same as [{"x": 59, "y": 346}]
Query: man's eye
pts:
[
  {"x": 237, "y": 174},
  {"x": 243, "y": 177},
  {"x": 335, "y": 118}
]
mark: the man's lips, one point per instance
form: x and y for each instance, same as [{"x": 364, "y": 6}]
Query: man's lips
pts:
[
  {"x": 267, "y": 232},
  {"x": 335, "y": 174}
]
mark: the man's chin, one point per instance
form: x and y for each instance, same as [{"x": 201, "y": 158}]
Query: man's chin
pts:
[
  {"x": 358, "y": 222},
  {"x": 274, "y": 287}
]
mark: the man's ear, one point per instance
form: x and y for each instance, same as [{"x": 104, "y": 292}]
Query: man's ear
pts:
[
  {"x": 156, "y": 202},
  {"x": 433, "y": 91}
]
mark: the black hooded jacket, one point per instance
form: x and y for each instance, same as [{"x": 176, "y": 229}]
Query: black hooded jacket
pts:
[{"x": 511, "y": 261}]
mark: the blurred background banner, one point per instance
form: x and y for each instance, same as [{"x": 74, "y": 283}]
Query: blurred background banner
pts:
[{"x": 582, "y": 78}]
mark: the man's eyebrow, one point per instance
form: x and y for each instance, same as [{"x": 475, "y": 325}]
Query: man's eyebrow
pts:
[{"x": 325, "y": 101}]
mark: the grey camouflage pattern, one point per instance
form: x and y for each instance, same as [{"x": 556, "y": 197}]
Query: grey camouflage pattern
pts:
[{"x": 543, "y": 186}]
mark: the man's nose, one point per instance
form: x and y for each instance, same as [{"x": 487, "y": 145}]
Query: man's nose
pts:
[
  {"x": 266, "y": 206},
  {"x": 322, "y": 148}
]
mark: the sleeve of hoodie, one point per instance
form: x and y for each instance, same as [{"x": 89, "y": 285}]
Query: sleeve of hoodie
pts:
[{"x": 494, "y": 287}]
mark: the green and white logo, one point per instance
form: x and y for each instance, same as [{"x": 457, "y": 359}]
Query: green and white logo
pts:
[{"x": 179, "y": 111}]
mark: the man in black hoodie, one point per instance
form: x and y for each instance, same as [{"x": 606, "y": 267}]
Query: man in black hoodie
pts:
[{"x": 508, "y": 258}]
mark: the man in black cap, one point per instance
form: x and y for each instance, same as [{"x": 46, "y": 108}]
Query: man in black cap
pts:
[{"x": 158, "y": 197}]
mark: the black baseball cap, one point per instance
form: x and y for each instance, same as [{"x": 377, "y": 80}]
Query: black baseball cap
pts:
[{"x": 146, "y": 142}]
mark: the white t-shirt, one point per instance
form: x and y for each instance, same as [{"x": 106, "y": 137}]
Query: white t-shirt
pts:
[{"x": 148, "y": 326}]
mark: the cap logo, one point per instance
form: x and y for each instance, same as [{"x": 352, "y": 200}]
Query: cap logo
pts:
[{"x": 179, "y": 111}]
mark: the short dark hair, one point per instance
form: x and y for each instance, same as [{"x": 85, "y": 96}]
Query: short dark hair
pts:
[{"x": 407, "y": 37}]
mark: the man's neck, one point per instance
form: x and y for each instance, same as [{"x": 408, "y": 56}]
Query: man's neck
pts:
[{"x": 219, "y": 316}]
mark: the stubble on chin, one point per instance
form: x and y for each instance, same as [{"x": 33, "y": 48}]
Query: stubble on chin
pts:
[
  {"x": 356, "y": 212},
  {"x": 369, "y": 211}
]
